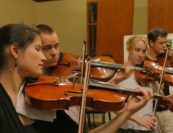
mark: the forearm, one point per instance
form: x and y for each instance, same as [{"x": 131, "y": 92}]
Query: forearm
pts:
[
  {"x": 133, "y": 105},
  {"x": 113, "y": 125}
]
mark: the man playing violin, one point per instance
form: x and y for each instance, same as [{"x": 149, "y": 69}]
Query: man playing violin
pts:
[
  {"x": 50, "y": 48},
  {"x": 157, "y": 38}
]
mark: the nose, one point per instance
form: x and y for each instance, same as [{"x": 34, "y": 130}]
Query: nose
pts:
[
  {"x": 43, "y": 57},
  {"x": 54, "y": 51},
  {"x": 141, "y": 54},
  {"x": 164, "y": 45}
]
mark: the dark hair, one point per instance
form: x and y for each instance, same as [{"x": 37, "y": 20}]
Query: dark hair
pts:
[
  {"x": 43, "y": 28},
  {"x": 20, "y": 34},
  {"x": 154, "y": 33}
]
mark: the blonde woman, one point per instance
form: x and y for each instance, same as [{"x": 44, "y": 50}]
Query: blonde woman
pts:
[{"x": 142, "y": 121}]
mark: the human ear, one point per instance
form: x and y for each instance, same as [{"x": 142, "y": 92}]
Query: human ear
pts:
[
  {"x": 151, "y": 43},
  {"x": 14, "y": 49}
]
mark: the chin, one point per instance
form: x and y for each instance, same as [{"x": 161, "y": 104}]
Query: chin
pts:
[
  {"x": 138, "y": 63},
  {"x": 37, "y": 75},
  {"x": 162, "y": 52},
  {"x": 53, "y": 64},
  {"x": 33, "y": 73}
]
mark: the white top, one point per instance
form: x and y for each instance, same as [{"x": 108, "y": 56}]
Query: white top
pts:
[
  {"x": 32, "y": 113},
  {"x": 171, "y": 90},
  {"x": 131, "y": 83}
]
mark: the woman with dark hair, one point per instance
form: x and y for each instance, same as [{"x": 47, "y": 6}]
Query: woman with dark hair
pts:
[{"x": 21, "y": 57}]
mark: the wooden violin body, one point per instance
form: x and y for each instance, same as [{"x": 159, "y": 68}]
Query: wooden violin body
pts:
[
  {"x": 49, "y": 93},
  {"x": 67, "y": 65},
  {"x": 153, "y": 73},
  {"x": 70, "y": 64},
  {"x": 101, "y": 73}
]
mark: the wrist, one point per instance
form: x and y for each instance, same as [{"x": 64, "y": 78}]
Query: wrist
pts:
[
  {"x": 134, "y": 118},
  {"x": 128, "y": 113}
]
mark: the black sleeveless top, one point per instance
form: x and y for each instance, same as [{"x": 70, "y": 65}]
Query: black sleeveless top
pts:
[{"x": 9, "y": 120}]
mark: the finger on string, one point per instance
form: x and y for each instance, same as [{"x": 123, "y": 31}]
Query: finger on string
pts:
[{"x": 128, "y": 98}]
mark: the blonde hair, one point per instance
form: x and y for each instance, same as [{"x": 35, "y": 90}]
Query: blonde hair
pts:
[{"x": 131, "y": 42}]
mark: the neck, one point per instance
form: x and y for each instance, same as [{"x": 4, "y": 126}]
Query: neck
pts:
[
  {"x": 47, "y": 71},
  {"x": 11, "y": 80},
  {"x": 152, "y": 54},
  {"x": 129, "y": 63}
]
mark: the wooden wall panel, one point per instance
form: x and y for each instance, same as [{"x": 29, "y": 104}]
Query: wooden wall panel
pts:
[
  {"x": 160, "y": 14},
  {"x": 115, "y": 19}
]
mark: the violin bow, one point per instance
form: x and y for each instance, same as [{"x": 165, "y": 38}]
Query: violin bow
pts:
[
  {"x": 117, "y": 88},
  {"x": 161, "y": 80},
  {"x": 83, "y": 61},
  {"x": 164, "y": 66},
  {"x": 83, "y": 103}
]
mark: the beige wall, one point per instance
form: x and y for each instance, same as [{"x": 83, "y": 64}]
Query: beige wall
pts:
[
  {"x": 68, "y": 17},
  {"x": 17, "y": 11},
  {"x": 140, "y": 17}
]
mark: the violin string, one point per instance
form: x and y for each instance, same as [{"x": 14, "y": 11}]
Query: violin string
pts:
[{"x": 115, "y": 66}]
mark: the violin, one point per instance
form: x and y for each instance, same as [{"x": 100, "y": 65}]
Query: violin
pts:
[
  {"x": 67, "y": 65},
  {"x": 169, "y": 61},
  {"x": 70, "y": 64},
  {"x": 161, "y": 59},
  {"x": 102, "y": 73},
  {"x": 52, "y": 93},
  {"x": 168, "y": 55},
  {"x": 153, "y": 73}
]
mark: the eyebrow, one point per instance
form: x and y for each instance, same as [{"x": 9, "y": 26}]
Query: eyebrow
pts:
[{"x": 51, "y": 44}]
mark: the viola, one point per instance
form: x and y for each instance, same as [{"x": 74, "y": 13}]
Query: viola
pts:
[
  {"x": 70, "y": 64},
  {"x": 52, "y": 93}
]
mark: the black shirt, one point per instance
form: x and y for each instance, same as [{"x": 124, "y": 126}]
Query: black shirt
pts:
[{"x": 9, "y": 120}]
